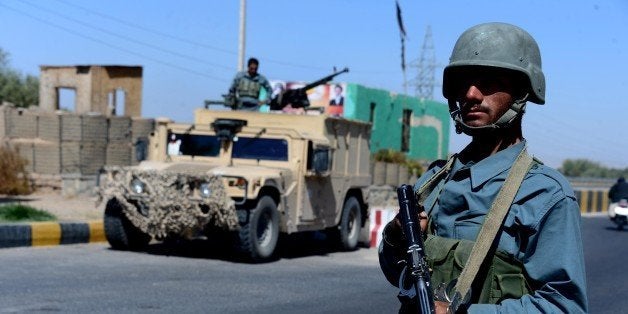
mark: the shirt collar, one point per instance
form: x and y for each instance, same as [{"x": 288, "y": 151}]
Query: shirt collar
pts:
[{"x": 493, "y": 165}]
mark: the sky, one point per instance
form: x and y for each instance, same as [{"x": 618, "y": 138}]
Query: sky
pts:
[{"x": 189, "y": 53}]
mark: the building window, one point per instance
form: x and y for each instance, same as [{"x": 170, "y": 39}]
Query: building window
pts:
[
  {"x": 405, "y": 130},
  {"x": 372, "y": 112},
  {"x": 66, "y": 99}
]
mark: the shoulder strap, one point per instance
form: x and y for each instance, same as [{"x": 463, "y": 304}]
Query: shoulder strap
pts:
[
  {"x": 424, "y": 191},
  {"x": 492, "y": 223}
]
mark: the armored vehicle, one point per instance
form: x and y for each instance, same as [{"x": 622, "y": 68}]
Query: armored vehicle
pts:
[{"x": 249, "y": 175}]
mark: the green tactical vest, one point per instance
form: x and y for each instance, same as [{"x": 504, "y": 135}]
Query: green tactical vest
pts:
[
  {"x": 504, "y": 276},
  {"x": 248, "y": 88}
]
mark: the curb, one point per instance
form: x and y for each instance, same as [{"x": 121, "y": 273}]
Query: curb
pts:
[{"x": 51, "y": 233}]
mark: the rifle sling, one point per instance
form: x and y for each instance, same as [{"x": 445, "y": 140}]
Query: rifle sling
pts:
[
  {"x": 492, "y": 223},
  {"x": 424, "y": 191}
]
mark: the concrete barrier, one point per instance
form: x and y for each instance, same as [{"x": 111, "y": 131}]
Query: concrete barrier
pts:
[
  {"x": 51, "y": 233},
  {"x": 592, "y": 200},
  {"x": 379, "y": 217}
]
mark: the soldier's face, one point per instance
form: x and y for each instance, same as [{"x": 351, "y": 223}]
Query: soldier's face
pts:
[
  {"x": 485, "y": 95},
  {"x": 252, "y": 69}
]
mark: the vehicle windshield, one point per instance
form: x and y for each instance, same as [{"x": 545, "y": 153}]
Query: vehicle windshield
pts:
[
  {"x": 244, "y": 147},
  {"x": 193, "y": 145},
  {"x": 261, "y": 148}
]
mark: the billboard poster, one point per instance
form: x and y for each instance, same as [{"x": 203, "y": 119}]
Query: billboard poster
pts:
[{"x": 331, "y": 97}]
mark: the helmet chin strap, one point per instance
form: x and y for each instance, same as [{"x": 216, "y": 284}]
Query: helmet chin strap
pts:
[{"x": 516, "y": 110}]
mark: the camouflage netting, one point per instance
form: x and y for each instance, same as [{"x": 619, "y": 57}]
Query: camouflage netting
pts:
[{"x": 172, "y": 207}]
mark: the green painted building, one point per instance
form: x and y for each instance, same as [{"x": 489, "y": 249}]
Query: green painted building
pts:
[{"x": 419, "y": 128}]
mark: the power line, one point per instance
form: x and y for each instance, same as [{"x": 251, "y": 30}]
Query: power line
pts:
[
  {"x": 112, "y": 46},
  {"x": 569, "y": 141},
  {"x": 174, "y": 53},
  {"x": 184, "y": 40},
  {"x": 562, "y": 122},
  {"x": 146, "y": 29}
]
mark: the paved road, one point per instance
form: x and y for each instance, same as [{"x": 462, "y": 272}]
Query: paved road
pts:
[
  {"x": 92, "y": 278},
  {"x": 606, "y": 259}
]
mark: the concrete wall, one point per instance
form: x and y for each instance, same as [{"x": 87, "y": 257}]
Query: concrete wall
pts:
[
  {"x": 57, "y": 144},
  {"x": 429, "y": 125}
]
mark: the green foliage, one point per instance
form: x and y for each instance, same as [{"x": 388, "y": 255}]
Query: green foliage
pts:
[
  {"x": 23, "y": 91},
  {"x": 389, "y": 155},
  {"x": 13, "y": 175},
  {"x": 414, "y": 167},
  {"x": 18, "y": 212},
  {"x": 396, "y": 157},
  {"x": 590, "y": 169}
]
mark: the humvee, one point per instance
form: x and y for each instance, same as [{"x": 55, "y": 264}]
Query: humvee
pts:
[{"x": 252, "y": 175}]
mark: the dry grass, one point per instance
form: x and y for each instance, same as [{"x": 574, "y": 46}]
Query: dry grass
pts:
[{"x": 13, "y": 176}]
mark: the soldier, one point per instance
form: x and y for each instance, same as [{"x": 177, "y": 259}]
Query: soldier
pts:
[
  {"x": 246, "y": 87},
  {"x": 533, "y": 262}
]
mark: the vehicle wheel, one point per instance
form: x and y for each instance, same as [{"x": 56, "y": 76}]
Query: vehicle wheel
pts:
[
  {"x": 259, "y": 230},
  {"x": 119, "y": 231},
  {"x": 620, "y": 226},
  {"x": 348, "y": 231}
]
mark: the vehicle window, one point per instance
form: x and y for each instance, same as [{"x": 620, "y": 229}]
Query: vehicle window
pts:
[
  {"x": 261, "y": 148},
  {"x": 193, "y": 145}
]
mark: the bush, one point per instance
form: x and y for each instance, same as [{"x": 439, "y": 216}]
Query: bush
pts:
[
  {"x": 396, "y": 157},
  {"x": 13, "y": 176},
  {"x": 18, "y": 212},
  {"x": 390, "y": 155},
  {"x": 414, "y": 167}
]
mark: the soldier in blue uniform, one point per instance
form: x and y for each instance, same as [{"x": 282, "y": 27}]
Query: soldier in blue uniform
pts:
[{"x": 535, "y": 262}]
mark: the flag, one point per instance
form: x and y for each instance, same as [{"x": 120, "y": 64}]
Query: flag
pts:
[{"x": 402, "y": 33}]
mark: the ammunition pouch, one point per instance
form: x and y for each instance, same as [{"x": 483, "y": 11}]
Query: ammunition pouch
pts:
[
  {"x": 248, "y": 88},
  {"x": 503, "y": 278}
]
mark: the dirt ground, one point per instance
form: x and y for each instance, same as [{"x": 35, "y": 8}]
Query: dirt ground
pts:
[{"x": 67, "y": 209}]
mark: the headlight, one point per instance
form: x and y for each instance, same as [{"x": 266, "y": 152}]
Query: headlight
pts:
[
  {"x": 204, "y": 190},
  {"x": 137, "y": 186}
]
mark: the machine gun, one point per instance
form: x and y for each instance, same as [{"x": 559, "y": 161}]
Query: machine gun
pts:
[
  {"x": 297, "y": 98},
  {"x": 415, "y": 278},
  {"x": 228, "y": 101}
]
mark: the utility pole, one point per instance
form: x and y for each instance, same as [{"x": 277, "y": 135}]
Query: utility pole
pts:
[{"x": 241, "y": 43}]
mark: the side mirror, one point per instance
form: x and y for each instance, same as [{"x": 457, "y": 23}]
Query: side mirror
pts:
[{"x": 320, "y": 160}]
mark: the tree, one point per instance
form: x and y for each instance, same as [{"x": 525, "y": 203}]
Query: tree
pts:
[
  {"x": 591, "y": 169},
  {"x": 23, "y": 91}
]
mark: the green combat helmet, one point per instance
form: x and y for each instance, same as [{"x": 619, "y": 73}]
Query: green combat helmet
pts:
[{"x": 495, "y": 45}]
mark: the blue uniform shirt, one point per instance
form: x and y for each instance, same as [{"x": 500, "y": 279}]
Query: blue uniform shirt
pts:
[{"x": 542, "y": 228}]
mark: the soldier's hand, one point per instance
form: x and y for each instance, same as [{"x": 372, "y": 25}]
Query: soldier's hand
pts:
[
  {"x": 442, "y": 307},
  {"x": 393, "y": 232},
  {"x": 422, "y": 220}
]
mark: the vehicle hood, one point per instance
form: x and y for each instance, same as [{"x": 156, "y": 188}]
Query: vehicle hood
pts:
[{"x": 197, "y": 168}]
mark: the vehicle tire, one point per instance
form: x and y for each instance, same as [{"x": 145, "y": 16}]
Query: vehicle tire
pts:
[
  {"x": 119, "y": 231},
  {"x": 348, "y": 231},
  {"x": 259, "y": 230}
]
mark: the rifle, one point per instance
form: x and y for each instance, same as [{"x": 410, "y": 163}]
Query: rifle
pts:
[
  {"x": 297, "y": 98},
  {"x": 415, "y": 279}
]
